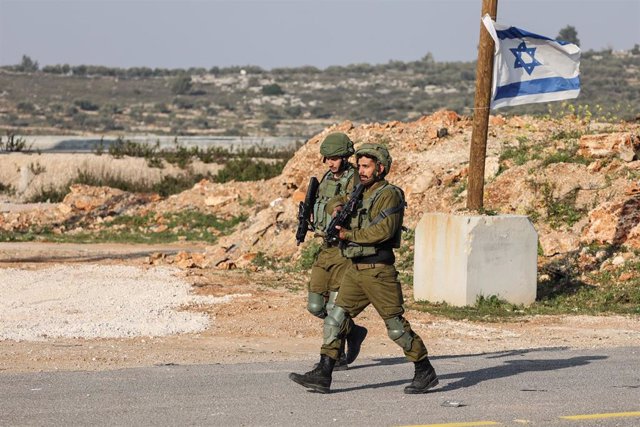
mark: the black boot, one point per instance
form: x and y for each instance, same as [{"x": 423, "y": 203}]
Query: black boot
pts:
[
  {"x": 341, "y": 363},
  {"x": 424, "y": 379},
  {"x": 354, "y": 342},
  {"x": 318, "y": 379}
]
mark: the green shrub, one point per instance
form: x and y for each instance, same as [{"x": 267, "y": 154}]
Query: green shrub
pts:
[
  {"x": 13, "y": 143},
  {"x": 86, "y": 105},
  {"x": 248, "y": 170},
  {"x": 309, "y": 255},
  {"x": 273, "y": 89},
  {"x": 49, "y": 194},
  {"x": 181, "y": 85}
]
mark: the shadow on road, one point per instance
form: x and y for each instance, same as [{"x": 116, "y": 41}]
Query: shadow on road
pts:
[
  {"x": 511, "y": 368},
  {"x": 471, "y": 378},
  {"x": 493, "y": 355}
]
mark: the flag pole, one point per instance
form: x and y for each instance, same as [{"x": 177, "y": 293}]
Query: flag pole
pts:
[{"x": 484, "y": 75}]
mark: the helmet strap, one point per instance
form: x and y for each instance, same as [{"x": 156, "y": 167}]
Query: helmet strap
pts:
[
  {"x": 343, "y": 164},
  {"x": 376, "y": 175}
]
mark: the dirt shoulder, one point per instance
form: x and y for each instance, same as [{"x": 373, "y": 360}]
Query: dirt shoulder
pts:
[{"x": 269, "y": 322}]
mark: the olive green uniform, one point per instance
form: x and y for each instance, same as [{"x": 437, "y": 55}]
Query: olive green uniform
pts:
[
  {"x": 329, "y": 267},
  {"x": 371, "y": 277}
]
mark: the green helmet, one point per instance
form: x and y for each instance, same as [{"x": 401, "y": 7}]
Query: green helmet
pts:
[
  {"x": 377, "y": 151},
  {"x": 336, "y": 144}
]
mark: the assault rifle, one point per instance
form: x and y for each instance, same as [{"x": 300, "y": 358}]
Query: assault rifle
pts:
[
  {"x": 342, "y": 217},
  {"x": 305, "y": 208}
]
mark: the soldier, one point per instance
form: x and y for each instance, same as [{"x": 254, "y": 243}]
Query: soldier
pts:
[
  {"x": 375, "y": 230},
  {"x": 330, "y": 265}
]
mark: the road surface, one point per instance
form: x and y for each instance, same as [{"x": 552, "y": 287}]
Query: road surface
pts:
[{"x": 597, "y": 387}]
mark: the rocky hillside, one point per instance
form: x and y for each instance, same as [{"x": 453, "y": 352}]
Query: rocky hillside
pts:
[{"x": 578, "y": 181}]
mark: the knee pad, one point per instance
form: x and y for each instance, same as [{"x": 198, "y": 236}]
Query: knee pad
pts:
[
  {"x": 315, "y": 305},
  {"x": 333, "y": 324},
  {"x": 332, "y": 301},
  {"x": 395, "y": 330}
]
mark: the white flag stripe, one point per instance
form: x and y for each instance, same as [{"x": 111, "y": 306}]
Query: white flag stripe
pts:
[{"x": 531, "y": 68}]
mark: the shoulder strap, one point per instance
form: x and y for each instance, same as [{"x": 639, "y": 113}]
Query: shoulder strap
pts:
[
  {"x": 392, "y": 210},
  {"x": 325, "y": 175}
]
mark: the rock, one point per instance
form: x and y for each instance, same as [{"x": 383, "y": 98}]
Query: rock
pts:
[
  {"x": 618, "y": 260},
  {"x": 626, "y": 146},
  {"x": 498, "y": 120},
  {"x": 558, "y": 242},
  {"x": 216, "y": 201},
  {"x": 298, "y": 196},
  {"x": 615, "y": 222},
  {"x": 626, "y": 276},
  {"x": 422, "y": 182},
  {"x": 65, "y": 209}
]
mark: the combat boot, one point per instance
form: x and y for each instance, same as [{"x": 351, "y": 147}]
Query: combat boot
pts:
[
  {"x": 341, "y": 363},
  {"x": 354, "y": 342},
  {"x": 424, "y": 379},
  {"x": 318, "y": 379}
]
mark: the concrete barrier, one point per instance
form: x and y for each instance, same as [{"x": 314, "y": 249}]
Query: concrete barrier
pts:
[{"x": 460, "y": 257}]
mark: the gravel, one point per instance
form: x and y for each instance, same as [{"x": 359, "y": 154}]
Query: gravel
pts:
[{"x": 97, "y": 301}]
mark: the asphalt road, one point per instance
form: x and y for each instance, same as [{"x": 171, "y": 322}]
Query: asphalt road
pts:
[{"x": 524, "y": 387}]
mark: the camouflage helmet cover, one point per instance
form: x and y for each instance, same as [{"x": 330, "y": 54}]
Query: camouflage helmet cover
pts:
[
  {"x": 377, "y": 151},
  {"x": 336, "y": 144}
]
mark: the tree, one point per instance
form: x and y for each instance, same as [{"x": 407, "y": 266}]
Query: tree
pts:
[
  {"x": 273, "y": 89},
  {"x": 181, "y": 85},
  {"x": 569, "y": 34},
  {"x": 28, "y": 65}
]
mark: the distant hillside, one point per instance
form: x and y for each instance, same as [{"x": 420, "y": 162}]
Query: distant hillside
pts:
[{"x": 284, "y": 101}]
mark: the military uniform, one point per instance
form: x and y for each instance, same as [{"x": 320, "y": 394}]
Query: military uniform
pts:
[
  {"x": 375, "y": 230},
  {"x": 372, "y": 278},
  {"x": 330, "y": 265}
]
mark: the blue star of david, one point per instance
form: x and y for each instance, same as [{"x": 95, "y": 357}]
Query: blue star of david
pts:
[{"x": 531, "y": 51}]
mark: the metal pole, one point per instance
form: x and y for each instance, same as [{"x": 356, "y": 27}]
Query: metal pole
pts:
[{"x": 484, "y": 75}]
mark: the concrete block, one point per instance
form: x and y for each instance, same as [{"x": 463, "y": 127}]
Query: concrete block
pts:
[{"x": 460, "y": 257}]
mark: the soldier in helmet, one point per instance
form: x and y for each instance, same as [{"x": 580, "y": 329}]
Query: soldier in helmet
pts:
[
  {"x": 374, "y": 232},
  {"x": 330, "y": 265}
]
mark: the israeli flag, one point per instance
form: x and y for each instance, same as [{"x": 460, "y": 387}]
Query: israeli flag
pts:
[{"x": 531, "y": 68}]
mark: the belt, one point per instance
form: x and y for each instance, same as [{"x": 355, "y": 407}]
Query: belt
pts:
[{"x": 368, "y": 266}]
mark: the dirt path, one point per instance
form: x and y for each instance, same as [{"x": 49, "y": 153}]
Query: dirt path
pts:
[{"x": 267, "y": 320}]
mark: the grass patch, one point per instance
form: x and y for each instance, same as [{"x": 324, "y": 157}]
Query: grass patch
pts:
[
  {"x": 265, "y": 261},
  {"x": 563, "y": 288},
  {"x": 561, "y": 212},
  {"x": 182, "y": 156},
  {"x": 566, "y": 155},
  {"x": 167, "y": 186},
  {"x": 192, "y": 226},
  {"x": 518, "y": 154},
  {"x": 14, "y": 144},
  {"x": 248, "y": 170},
  {"x": 489, "y": 309},
  {"x": 309, "y": 255}
]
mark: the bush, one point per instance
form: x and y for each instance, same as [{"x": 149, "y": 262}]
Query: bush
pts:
[
  {"x": 26, "y": 107},
  {"x": 273, "y": 89},
  {"x": 27, "y": 65},
  {"x": 86, "y": 105},
  {"x": 13, "y": 144},
  {"x": 309, "y": 255},
  {"x": 249, "y": 170},
  {"x": 181, "y": 85}
]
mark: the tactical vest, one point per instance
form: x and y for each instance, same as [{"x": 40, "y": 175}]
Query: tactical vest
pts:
[
  {"x": 363, "y": 219},
  {"x": 328, "y": 189}
]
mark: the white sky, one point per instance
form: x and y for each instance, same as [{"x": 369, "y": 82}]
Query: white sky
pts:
[{"x": 268, "y": 33}]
